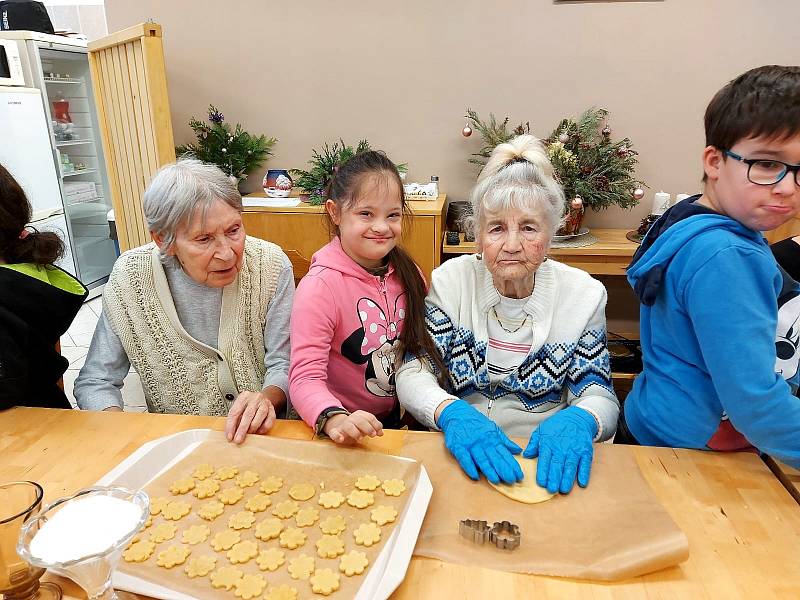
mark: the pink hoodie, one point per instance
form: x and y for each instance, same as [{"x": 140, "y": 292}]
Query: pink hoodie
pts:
[{"x": 345, "y": 324}]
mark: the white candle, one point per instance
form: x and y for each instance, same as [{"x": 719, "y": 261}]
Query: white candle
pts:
[
  {"x": 660, "y": 203},
  {"x": 681, "y": 197}
]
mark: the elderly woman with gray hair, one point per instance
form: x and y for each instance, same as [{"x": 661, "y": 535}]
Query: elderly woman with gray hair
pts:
[
  {"x": 522, "y": 337},
  {"x": 201, "y": 313}
]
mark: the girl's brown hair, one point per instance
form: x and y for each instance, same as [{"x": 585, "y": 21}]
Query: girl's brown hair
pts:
[
  {"x": 38, "y": 247},
  {"x": 344, "y": 189}
]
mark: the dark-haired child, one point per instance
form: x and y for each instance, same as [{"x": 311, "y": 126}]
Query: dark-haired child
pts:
[
  {"x": 713, "y": 298},
  {"x": 360, "y": 308},
  {"x": 38, "y": 301}
]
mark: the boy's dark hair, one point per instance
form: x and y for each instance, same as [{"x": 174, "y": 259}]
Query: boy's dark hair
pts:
[
  {"x": 344, "y": 189},
  {"x": 763, "y": 102},
  {"x": 38, "y": 247}
]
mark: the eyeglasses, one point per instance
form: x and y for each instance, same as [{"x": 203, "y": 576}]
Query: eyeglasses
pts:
[{"x": 766, "y": 172}]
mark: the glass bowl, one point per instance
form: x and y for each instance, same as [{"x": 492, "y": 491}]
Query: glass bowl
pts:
[{"x": 92, "y": 572}]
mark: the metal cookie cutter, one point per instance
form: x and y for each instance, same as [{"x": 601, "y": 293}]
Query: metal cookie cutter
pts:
[
  {"x": 505, "y": 535},
  {"x": 475, "y": 531}
]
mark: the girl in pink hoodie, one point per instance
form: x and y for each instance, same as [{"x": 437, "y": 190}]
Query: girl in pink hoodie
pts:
[{"x": 359, "y": 310}]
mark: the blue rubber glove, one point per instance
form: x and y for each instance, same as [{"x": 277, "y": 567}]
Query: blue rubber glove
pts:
[
  {"x": 478, "y": 443},
  {"x": 563, "y": 444}
]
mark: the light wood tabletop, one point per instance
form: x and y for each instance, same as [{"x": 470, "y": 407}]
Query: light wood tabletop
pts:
[
  {"x": 743, "y": 526},
  {"x": 610, "y": 255}
]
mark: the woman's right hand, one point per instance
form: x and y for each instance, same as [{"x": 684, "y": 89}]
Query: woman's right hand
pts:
[
  {"x": 350, "y": 429},
  {"x": 478, "y": 443}
]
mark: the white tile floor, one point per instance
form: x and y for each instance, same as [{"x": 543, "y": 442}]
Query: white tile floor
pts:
[{"x": 75, "y": 346}]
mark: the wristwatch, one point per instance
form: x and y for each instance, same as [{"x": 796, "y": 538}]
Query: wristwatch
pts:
[{"x": 322, "y": 419}]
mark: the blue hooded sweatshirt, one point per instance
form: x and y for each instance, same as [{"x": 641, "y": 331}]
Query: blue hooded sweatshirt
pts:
[{"x": 710, "y": 289}]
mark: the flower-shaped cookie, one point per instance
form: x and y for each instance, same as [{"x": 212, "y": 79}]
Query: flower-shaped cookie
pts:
[
  {"x": 158, "y": 504},
  {"x": 226, "y": 577},
  {"x": 353, "y": 563},
  {"x": 331, "y": 499},
  {"x": 226, "y": 473},
  {"x": 172, "y": 556},
  {"x": 330, "y": 546},
  {"x": 333, "y": 525},
  {"x": 360, "y": 498},
  {"x": 243, "y": 552},
  {"x": 270, "y": 559},
  {"x": 242, "y": 520},
  {"x": 302, "y": 491},
  {"x": 301, "y": 567},
  {"x": 269, "y": 529},
  {"x": 282, "y": 592},
  {"x": 286, "y": 509},
  {"x": 247, "y": 479},
  {"x": 271, "y": 484},
  {"x": 181, "y": 486},
  {"x": 203, "y": 471},
  {"x": 139, "y": 551},
  {"x": 176, "y": 510},
  {"x": 306, "y": 517},
  {"x": 163, "y": 532},
  {"x": 225, "y": 540},
  {"x": 196, "y": 534},
  {"x": 394, "y": 487},
  {"x": 383, "y": 514},
  {"x": 367, "y": 534},
  {"x": 258, "y": 503},
  {"x": 250, "y": 586},
  {"x": 211, "y": 510},
  {"x": 324, "y": 581},
  {"x": 230, "y": 495},
  {"x": 200, "y": 566},
  {"x": 205, "y": 488},
  {"x": 292, "y": 538},
  {"x": 368, "y": 482}
]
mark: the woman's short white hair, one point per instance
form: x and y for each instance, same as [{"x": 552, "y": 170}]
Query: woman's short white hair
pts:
[
  {"x": 181, "y": 188},
  {"x": 518, "y": 175}
]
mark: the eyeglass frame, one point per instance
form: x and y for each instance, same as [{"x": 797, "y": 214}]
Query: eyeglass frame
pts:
[{"x": 787, "y": 168}]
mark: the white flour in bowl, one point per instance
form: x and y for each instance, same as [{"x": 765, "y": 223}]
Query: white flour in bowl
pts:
[{"x": 85, "y": 526}]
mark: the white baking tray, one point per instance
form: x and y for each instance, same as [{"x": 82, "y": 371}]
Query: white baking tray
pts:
[{"x": 154, "y": 458}]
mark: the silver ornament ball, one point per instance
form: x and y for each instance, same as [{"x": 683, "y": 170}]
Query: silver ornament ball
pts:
[
  {"x": 467, "y": 131},
  {"x": 638, "y": 193},
  {"x": 563, "y": 138}
]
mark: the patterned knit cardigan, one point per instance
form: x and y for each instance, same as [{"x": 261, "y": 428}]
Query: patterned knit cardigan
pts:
[{"x": 568, "y": 363}]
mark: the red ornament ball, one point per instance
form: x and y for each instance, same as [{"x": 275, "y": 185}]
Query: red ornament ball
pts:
[{"x": 467, "y": 131}]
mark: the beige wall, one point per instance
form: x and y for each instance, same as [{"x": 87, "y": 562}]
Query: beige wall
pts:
[{"x": 402, "y": 73}]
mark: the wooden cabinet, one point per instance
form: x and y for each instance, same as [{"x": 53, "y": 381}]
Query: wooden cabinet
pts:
[{"x": 302, "y": 230}]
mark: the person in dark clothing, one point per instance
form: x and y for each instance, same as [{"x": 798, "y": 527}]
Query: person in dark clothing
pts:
[
  {"x": 787, "y": 253},
  {"x": 38, "y": 301}
]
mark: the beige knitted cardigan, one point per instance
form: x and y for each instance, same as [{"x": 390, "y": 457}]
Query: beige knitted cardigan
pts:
[{"x": 180, "y": 374}]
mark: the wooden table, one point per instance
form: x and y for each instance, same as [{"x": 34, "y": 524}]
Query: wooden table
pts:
[
  {"x": 611, "y": 255},
  {"x": 301, "y": 230},
  {"x": 743, "y": 526},
  {"x": 788, "y": 476}
]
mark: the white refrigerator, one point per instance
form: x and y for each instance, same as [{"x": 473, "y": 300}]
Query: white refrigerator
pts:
[
  {"x": 26, "y": 153},
  {"x": 59, "y": 159}
]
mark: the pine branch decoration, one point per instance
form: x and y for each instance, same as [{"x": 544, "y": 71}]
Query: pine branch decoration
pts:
[
  {"x": 586, "y": 161},
  {"x": 232, "y": 149}
]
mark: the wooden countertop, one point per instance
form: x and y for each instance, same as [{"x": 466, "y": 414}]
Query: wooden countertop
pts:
[
  {"x": 743, "y": 526},
  {"x": 418, "y": 207}
]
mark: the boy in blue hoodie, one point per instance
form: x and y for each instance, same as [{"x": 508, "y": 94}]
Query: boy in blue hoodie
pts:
[{"x": 719, "y": 318}]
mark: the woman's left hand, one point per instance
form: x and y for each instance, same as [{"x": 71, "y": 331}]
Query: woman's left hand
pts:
[
  {"x": 252, "y": 412},
  {"x": 563, "y": 444}
]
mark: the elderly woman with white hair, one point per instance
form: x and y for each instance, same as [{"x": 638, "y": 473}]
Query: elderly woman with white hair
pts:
[
  {"x": 522, "y": 337},
  {"x": 201, "y": 313}
]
